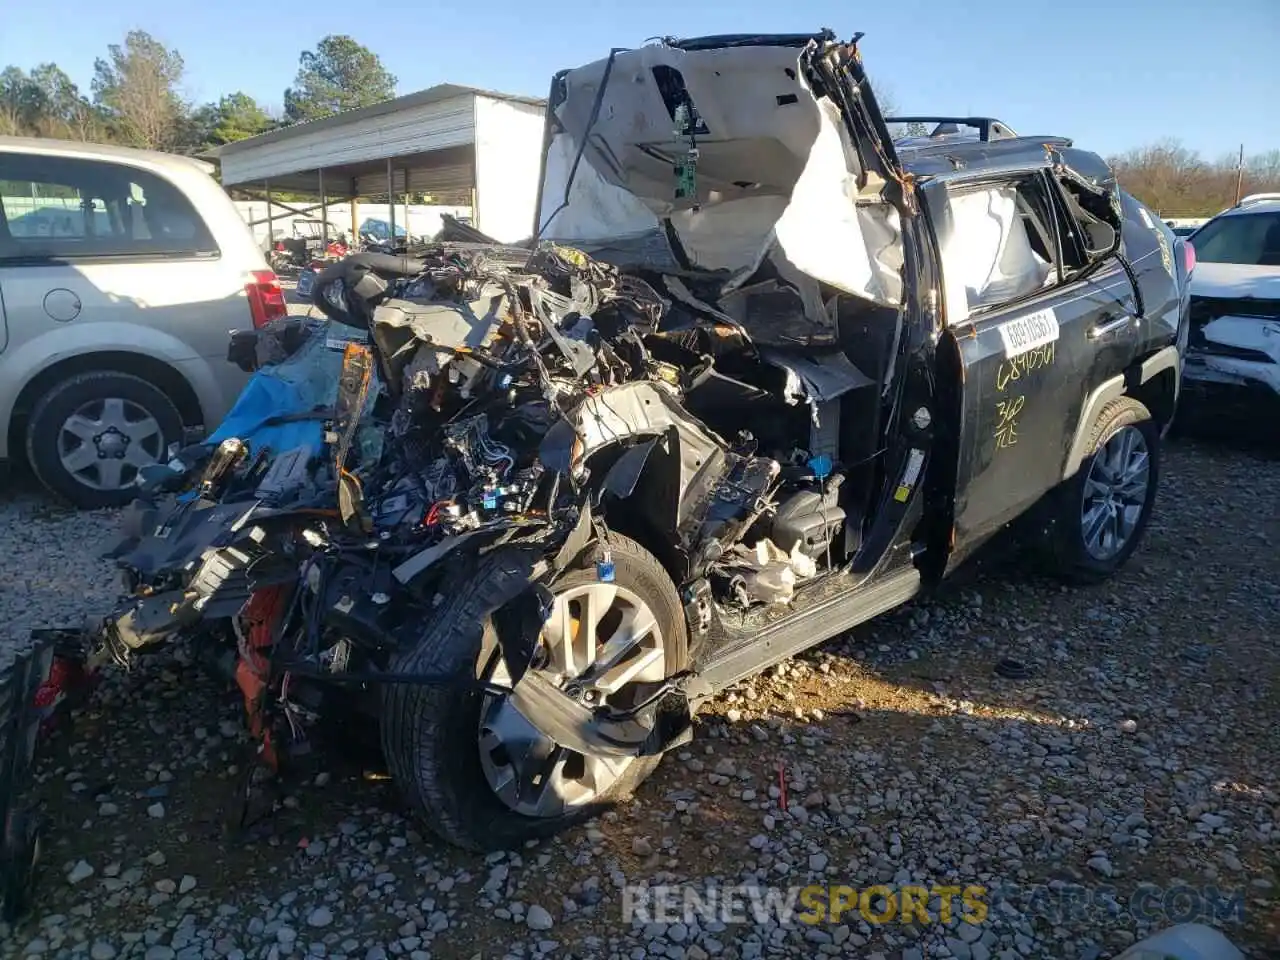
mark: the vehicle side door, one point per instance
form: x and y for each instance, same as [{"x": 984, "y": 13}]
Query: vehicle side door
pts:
[{"x": 1031, "y": 330}]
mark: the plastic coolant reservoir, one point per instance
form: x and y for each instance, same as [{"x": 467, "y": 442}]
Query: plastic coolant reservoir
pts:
[{"x": 1187, "y": 941}]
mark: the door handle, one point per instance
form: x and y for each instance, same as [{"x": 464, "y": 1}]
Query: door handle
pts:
[{"x": 1110, "y": 325}]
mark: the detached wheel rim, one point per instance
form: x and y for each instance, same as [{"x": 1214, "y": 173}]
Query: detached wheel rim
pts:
[
  {"x": 106, "y": 442},
  {"x": 1115, "y": 493},
  {"x": 595, "y": 624}
]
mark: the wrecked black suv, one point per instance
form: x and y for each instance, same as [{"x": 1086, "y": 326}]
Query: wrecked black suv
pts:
[{"x": 762, "y": 374}]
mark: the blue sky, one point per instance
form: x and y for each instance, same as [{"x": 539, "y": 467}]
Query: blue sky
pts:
[{"x": 1113, "y": 74}]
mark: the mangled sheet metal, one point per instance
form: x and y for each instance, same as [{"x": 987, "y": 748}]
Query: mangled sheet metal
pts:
[
  {"x": 470, "y": 407},
  {"x": 1241, "y": 350}
]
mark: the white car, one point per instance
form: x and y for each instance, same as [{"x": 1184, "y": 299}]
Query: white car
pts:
[
  {"x": 121, "y": 274},
  {"x": 1235, "y": 299}
]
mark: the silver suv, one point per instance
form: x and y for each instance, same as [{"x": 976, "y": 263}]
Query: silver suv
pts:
[{"x": 121, "y": 273}]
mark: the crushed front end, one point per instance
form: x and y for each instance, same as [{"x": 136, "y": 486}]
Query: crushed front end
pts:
[{"x": 666, "y": 363}]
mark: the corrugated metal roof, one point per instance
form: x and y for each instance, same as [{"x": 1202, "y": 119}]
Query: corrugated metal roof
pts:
[{"x": 442, "y": 91}]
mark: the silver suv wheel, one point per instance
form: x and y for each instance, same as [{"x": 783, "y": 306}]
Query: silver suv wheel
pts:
[
  {"x": 106, "y": 442},
  {"x": 90, "y": 434}
]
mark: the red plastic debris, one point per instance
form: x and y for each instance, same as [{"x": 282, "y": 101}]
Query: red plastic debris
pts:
[
  {"x": 253, "y": 670},
  {"x": 67, "y": 677}
]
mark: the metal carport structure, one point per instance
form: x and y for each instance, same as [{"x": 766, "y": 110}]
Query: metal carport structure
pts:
[{"x": 461, "y": 145}]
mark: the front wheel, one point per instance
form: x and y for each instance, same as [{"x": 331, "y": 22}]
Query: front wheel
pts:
[
  {"x": 480, "y": 773},
  {"x": 1102, "y": 512}
]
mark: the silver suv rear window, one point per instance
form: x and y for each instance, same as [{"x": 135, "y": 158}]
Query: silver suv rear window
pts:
[{"x": 70, "y": 208}]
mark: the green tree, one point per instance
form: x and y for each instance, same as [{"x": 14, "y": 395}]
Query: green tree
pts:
[
  {"x": 137, "y": 87},
  {"x": 14, "y": 102},
  {"x": 234, "y": 117},
  {"x": 340, "y": 74},
  {"x": 45, "y": 103}
]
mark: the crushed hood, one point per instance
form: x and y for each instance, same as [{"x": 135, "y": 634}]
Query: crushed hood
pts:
[
  {"x": 1235, "y": 281},
  {"x": 722, "y": 154}
]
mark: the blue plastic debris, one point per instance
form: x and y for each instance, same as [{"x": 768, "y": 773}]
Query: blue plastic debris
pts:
[
  {"x": 490, "y": 501},
  {"x": 821, "y": 466},
  {"x": 604, "y": 571}
]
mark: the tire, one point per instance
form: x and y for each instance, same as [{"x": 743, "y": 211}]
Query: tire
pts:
[
  {"x": 430, "y": 734},
  {"x": 19, "y": 861},
  {"x": 1071, "y": 556},
  {"x": 121, "y": 402}
]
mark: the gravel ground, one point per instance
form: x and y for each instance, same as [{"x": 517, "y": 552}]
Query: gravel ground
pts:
[{"x": 1143, "y": 749}]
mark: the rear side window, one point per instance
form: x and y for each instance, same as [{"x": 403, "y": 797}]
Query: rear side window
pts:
[
  {"x": 64, "y": 208},
  {"x": 1252, "y": 239}
]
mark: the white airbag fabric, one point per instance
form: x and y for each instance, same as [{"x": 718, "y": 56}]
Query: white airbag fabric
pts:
[
  {"x": 776, "y": 170},
  {"x": 988, "y": 258}
]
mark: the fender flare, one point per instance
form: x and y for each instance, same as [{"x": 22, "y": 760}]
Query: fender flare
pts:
[{"x": 1165, "y": 359}]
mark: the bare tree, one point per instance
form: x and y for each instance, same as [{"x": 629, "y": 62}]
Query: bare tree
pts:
[
  {"x": 137, "y": 85},
  {"x": 1177, "y": 182}
]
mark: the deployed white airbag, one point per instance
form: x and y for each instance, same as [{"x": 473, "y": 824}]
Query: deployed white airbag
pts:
[
  {"x": 988, "y": 257},
  {"x": 776, "y": 170}
]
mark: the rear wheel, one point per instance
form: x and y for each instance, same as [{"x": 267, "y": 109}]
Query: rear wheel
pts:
[
  {"x": 479, "y": 772},
  {"x": 90, "y": 435},
  {"x": 1102, "y": 512}
]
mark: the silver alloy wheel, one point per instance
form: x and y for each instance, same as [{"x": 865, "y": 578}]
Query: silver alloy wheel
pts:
[
  {"x": 593, "y": 623},
  {"x": 1115, "y": 492},
  {"x": 106, "y": 442}
]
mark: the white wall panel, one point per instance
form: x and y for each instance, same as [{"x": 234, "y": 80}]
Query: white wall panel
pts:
[{"x": 508, "y": 155}]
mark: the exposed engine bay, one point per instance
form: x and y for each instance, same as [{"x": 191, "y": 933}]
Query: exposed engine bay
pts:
[{"x": 500, "y": 397}]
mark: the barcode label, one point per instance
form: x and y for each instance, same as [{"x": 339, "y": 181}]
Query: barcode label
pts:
[{"x": 1025, "y": 333}]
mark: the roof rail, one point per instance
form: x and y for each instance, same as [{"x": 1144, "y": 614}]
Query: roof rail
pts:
[
  {"x": 989, "y": 128},
  {"x": 1257, "y": 198}
]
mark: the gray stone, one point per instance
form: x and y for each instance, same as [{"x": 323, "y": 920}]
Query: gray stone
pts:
[{"x": 538, "y": 918}]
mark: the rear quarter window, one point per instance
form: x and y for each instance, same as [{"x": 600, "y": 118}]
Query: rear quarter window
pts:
[{"x": 68, "y": 208}]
